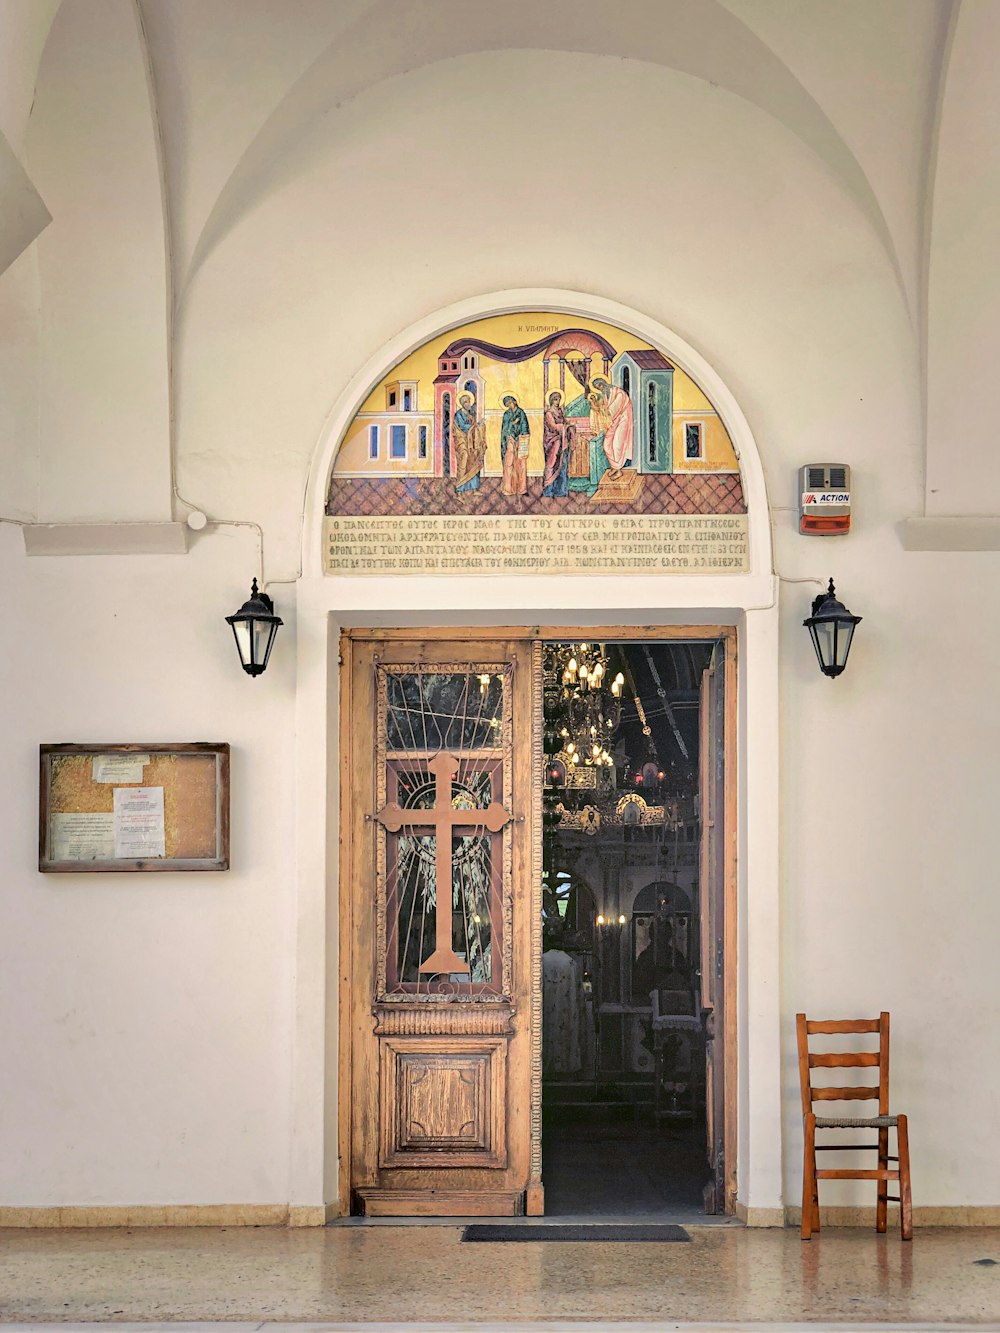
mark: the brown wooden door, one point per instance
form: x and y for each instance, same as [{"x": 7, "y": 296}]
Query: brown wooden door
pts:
[
  {"x": 435, "y": 1004},
  {"x": 712, "y": 874}
]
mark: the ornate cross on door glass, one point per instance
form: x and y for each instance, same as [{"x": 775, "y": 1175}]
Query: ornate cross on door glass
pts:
[
  {"x": 444, "y": 819},
  {"x": 443, "y": 843}
]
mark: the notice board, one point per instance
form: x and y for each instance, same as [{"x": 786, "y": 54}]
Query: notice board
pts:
[{"x": 133, "y": 807}]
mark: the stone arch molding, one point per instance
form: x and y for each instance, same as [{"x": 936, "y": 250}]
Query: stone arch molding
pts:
[{"x": 562, "y": 302}]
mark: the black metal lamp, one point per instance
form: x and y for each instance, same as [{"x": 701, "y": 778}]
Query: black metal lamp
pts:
[
  {"x": 831, "y": 627},
  {"x": 254, "y": 627}
]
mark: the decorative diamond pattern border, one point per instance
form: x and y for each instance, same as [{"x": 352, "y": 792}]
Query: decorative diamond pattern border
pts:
[{"x": 692, "y": 493}]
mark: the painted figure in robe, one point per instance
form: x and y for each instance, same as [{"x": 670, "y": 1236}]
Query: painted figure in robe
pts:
[
  {"x": 600, "y": 424},
  {"x": 618, "y": 443},
  {"x": 470, "y": 444},
  {"x": 514, "y": 441},
  {"x": 557, "y": 438}
]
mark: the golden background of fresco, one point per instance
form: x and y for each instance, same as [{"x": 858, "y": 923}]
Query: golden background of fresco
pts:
[{"x": 524, "y": 380}]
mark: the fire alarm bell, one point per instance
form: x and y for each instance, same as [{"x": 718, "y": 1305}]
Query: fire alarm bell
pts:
[{"x": 825, "y": 509}]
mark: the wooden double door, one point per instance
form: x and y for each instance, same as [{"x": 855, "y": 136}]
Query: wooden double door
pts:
[{"x": 440, "y": 927}]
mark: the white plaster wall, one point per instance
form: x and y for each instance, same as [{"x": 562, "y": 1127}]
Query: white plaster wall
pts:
[
  {"x": 963, "y": 468},
  {"x": 221, "y": 73},
  {"x": 851, "y": 45},
  {"x": 726, "y": 230},
  {"x": 888, "y": 813},
  {"x": 103, "y": 426},
  {"x": 19, "y": 376},
  {"x": 145, "y": 1020}
]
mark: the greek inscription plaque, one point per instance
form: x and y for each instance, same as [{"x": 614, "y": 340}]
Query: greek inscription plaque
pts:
[{"x": 650, "y": 543}]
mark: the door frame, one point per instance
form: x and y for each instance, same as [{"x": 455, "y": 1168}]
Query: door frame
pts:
[
  {"x": 319, "y": 605},
  {"x": 535, "y": 635}
]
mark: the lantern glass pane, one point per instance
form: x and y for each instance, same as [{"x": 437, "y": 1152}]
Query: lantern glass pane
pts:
[
  {"x": 825, "y": 639},
  {"x": 263, "y": 633},
  {"x": 242, "y": 631},
  {"x": 843, "y": 642}
]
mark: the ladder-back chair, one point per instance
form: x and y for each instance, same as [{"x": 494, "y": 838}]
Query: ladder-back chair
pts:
[{"x": 883, "y": 1122}]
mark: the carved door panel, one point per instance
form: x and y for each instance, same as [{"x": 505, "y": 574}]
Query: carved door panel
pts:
[{"x": 436, "y": 980}]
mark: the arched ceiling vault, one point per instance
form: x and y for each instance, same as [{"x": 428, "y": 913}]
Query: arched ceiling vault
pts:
[
  {"x": 795, "y": 63},
  {"x": 699, "y": 38}
]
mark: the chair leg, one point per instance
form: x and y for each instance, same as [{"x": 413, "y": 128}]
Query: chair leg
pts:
[
  {"x": 905, "y": 1202},
  {"x": 810, "y": 1195},
  {"x": 882, "y": 1207}
]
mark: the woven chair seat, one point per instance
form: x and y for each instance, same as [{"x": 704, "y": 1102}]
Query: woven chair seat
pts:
[{"x": 858, "y": 1122}]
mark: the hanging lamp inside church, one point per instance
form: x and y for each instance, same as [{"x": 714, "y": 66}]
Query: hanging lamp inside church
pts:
[
  {"x": 254, "y": 627},
  {"x": 583, "y": 709}
]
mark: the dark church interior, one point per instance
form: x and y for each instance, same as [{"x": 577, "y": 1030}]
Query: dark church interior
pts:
[{"x": 623, "y": 1064}]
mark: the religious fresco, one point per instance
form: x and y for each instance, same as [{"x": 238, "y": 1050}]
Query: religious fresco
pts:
[{"x": 527, "y": 443}]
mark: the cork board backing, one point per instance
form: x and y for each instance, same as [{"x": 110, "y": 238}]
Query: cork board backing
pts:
[{"x": 194, "y": 779}]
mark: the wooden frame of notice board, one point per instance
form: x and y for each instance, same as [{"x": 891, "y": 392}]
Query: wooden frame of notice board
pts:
[{"x": 133, "y": 807}]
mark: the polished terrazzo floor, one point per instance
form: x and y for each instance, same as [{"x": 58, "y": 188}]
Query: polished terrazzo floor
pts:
[{"x": 424, "y": 1274}]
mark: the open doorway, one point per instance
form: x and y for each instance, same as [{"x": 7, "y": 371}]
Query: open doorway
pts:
[{"x": 633, "y": 965}]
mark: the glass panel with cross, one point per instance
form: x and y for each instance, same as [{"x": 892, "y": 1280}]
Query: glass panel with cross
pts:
[{"x": 443, "y": 818}]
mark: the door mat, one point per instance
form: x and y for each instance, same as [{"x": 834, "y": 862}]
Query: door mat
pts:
[{"x": 659, "y": 1231}]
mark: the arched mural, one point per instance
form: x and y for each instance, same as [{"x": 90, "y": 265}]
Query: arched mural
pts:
[{"x": 536, "y": 443}]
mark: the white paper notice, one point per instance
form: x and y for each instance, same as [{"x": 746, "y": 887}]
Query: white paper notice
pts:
[
  {"x": 139, "y": 822},
  {"x": 119, "y": 767},
  {"x": 77, "y": 837}
]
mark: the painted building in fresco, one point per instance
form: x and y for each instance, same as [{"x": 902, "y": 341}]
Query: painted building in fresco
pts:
[{"x": 491, "y": 418}]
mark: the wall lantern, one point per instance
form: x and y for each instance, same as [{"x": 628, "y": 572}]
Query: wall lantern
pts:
[
  {"x": 254, "y": 627},
  {"x": 831, "y": 627}
]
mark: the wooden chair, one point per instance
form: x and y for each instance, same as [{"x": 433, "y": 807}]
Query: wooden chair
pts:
[{"x": 883, "y": 1122}]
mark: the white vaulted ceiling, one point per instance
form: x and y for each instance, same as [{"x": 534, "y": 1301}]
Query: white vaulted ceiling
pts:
[{"x": 239, "y": 84}]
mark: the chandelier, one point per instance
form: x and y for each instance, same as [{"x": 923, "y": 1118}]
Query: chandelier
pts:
[{"x": 583, "y": 709}]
